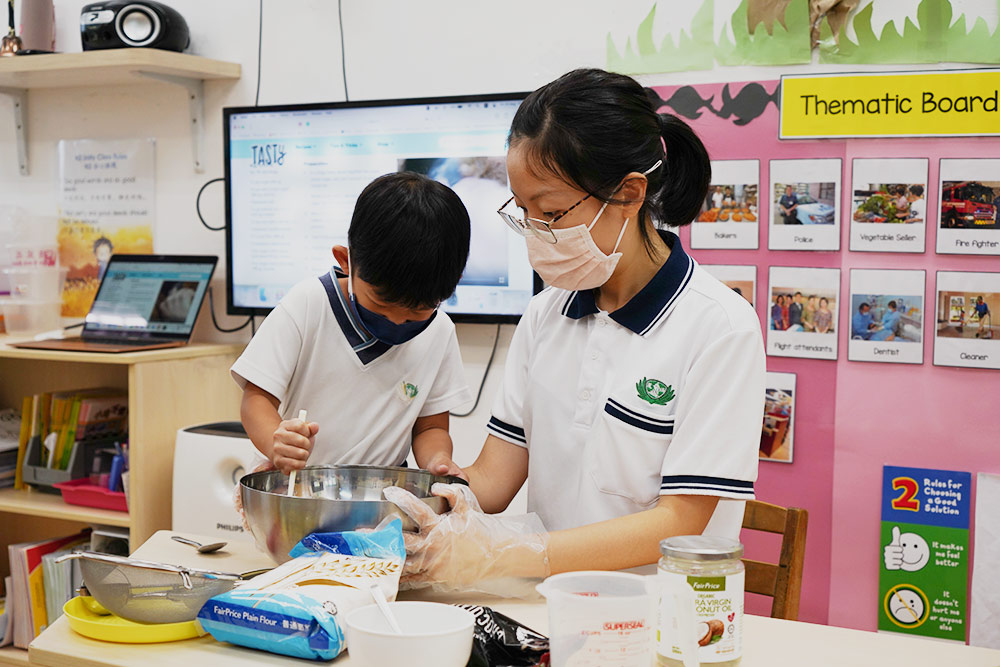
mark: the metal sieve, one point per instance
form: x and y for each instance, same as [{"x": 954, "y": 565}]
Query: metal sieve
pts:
[{"x": 148, "y": 592}]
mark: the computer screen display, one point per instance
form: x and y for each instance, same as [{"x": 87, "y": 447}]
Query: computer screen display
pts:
[
  {"x": 157, "y": 295},
  {"x": 294, "y": 173}
]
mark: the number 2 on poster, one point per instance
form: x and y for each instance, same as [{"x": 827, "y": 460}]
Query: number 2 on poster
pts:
[{"x": 907, "y": 499}]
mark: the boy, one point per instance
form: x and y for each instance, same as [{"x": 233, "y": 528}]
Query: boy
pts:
[{"x": 366, "y": 352}]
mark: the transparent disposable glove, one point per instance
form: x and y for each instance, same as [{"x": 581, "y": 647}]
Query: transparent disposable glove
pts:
[{"x": 466, "y": 550}]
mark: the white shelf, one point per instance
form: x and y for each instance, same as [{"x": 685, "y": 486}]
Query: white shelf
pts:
[{"x": 19, "y": 74}]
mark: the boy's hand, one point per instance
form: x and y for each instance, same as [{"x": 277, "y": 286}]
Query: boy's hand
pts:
[
  {"x": 293, "y": 442},
  {"x": 441, "y": 464}
]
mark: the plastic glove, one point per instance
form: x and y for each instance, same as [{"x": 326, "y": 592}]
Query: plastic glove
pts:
[{"x": 466, "y": 550}]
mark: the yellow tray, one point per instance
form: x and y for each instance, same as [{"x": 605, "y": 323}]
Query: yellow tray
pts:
[{"x": 111, "y": 628}]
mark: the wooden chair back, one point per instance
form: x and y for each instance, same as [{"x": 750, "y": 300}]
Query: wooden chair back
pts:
[{"x": 781, "y": 581}]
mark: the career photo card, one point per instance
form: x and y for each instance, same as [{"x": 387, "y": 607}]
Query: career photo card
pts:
[
  {"x": 886, "y": 320},
  {"x": 802, "y": 312},
  {"x": 889, "y": 205},
  {"x": 776, "y": 436},
  {"x": 729, "y": 214},
  {"x": 966, "y": 334},
  {"x": 967, "y": 213},
  {"x": 805, "y": 204},
  {"x": 741, "y": 279}
]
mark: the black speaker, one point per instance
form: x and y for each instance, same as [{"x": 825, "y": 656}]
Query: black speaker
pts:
[{"x": 117, "y": 24}]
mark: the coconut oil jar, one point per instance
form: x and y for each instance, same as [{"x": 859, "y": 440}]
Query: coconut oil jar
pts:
[{"x": 701, "y": 602}]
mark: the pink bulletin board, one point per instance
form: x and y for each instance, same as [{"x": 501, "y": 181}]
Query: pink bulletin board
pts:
[{"x": 851, "y": 417}]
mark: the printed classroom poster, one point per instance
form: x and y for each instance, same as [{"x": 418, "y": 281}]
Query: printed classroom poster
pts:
[
  {"x": 106, "y": 206},
  {"x": 886, "y": 316},
  {"x": 742, "y": 279},
  {"x": 805, "y": 205},
  {"x": 967, "y": 213},
  {"x": 924, "y": 552},
  {"x": 776, "y": 436},
  {"x": 889, "y": 205},
  {"x": 802, "y": 312},
  {"x": 729, "y": 214},
  {"x": 966, "y": 334}
]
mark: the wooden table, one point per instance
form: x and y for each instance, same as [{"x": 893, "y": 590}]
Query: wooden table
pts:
[{"x": 768, "y": 642}]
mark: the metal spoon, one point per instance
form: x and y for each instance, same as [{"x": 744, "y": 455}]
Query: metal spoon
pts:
[{"x": 202, "y": 548}]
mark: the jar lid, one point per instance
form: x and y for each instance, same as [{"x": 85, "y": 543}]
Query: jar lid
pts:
[{"x": 701, "y": 547}]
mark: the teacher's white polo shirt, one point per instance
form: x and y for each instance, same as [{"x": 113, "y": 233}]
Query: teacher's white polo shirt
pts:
[
  {"x": 312, "y": 354},
  {"x": 663, "y": 396}
]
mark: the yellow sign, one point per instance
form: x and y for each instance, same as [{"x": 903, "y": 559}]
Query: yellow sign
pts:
[{"x": 944, "y": 103}]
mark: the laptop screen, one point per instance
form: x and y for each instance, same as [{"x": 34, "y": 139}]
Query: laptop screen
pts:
[{"x": 150, "y": 295}]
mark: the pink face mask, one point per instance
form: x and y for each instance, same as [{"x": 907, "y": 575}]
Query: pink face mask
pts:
[{"x": 574, "y": 262}]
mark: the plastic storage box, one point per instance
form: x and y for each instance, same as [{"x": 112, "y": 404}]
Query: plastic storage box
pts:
[
  {"x": 31, "y": 316},
  {"x": 45, "y": 478},
  {"x": 82, "y": 492},
  {"x": 40, "y": 283}
]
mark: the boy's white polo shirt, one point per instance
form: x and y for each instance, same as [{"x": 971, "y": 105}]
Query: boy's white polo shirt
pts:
[
  {"x": 662, "y": 396},
  {"x": 312, "y": 354}
]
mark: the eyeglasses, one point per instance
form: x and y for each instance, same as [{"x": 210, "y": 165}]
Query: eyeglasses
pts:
[{"x": 539, "y": 228}]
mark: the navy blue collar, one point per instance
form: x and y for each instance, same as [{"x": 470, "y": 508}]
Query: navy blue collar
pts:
[
  {"x": 367, "y": 347},
  {"x": 652, "y": 303}
]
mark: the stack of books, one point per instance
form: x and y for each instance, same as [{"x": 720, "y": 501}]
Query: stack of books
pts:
[
  {"x": 27, "y": 604},
  {"x": 60, "y": 420}
]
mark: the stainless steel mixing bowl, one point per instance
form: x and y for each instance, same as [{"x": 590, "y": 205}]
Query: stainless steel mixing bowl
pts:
[{"x": 328, "y": 499}]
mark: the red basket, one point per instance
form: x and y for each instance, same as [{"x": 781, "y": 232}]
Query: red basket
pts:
[{"x": 82, "y": 492}]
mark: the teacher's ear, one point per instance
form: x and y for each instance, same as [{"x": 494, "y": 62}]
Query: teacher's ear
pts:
[{"x": 633, "y": 193}]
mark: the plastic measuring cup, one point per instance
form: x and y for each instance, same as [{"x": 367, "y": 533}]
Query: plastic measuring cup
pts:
[{"x": 600, "y": 618}]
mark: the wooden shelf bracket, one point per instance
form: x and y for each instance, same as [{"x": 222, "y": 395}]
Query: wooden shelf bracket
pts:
[
  {"x": 195, "y": 89},
  {"x": 19, "y": 96}
]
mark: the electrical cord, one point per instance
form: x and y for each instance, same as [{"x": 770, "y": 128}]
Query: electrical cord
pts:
[
  {"x": 260, "y": 42},
  {"x": 197, "y": 205},
  {"x": 489, "y": 362},
  {"x": 215, "y": 323},
  {"x": 343, "y": 58}
]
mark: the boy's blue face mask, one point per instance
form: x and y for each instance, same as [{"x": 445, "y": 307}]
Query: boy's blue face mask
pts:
[{"x": 380, "y": 326}]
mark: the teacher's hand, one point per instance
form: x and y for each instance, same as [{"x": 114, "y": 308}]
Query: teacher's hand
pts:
[{"x": 467, "y": 550}]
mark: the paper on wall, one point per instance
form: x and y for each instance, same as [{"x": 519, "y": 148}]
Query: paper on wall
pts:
[
  {"x": 106, "y": 191},
  {"x": 984, "y": 608}
]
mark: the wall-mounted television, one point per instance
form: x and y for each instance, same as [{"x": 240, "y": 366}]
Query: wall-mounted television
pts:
[{"x": 294, "y": 172}]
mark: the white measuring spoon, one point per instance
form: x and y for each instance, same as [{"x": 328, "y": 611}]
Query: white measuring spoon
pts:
[
  {"x": 383, "y": 605},
  {"x": 291, "y": 476}
]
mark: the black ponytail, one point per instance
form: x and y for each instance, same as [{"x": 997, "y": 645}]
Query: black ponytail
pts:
[
  {"x": 591, "y": 128},
  {"x": 687, "y": 173}
]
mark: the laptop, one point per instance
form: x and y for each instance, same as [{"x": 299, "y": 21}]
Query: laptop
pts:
[{"x": 144, "y": 302}]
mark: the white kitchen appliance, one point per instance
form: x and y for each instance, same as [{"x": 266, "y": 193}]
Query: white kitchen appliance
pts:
[{"x": 209, "y": 460}]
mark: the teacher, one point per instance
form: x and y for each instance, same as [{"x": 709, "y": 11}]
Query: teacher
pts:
[{"x": 633, "y": 390}]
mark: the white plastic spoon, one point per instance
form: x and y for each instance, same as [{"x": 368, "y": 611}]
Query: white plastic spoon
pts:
[
  {"x": 291, "y": 476},
  {"x": 383, "y": 605}
]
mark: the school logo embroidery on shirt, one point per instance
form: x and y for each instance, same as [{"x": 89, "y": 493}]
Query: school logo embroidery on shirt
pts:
[
  {"x": 654, "y": 391},
  {"x": 409, "y": 391}
]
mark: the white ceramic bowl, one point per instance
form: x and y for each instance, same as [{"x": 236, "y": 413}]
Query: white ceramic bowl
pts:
[{"x": 434, "y": 635}]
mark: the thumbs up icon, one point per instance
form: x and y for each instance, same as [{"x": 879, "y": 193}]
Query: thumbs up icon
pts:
[{"x": 893, "y": 552}]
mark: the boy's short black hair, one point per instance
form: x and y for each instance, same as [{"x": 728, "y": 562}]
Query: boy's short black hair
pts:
[
  {"x": 409, "y": 239},
  {"x": 104, "y": 240}
]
